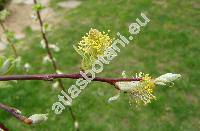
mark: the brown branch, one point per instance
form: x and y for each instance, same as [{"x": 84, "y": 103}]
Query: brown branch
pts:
[
  {"x": 10, "y": 42},
  {"x": 51, "y": 77},
  {"x": 55, "y": 66},
  {"x": 46, "y": 40},
  {"x": 44, "y": 37},
  {"x": 3, "y": 127},
  {"x": 16, "y": 114}
]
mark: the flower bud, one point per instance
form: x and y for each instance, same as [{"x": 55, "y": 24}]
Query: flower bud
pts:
[
  {"x": 166, "y": 78},
  {"x": 76, "y": 124},
  {"x": 27, "y": 67},
  {"x": 42, "y": 43},
  {"x": 59, "y": 72},
  {"x": 54, "y": 47},
  {"x": 46, "y": 59},
  {"x": 38, "y": 118},
  {"x": 127, "y": 86},
  {"x": 114, "y": 98},
  {"x": 55, "y": 85}
]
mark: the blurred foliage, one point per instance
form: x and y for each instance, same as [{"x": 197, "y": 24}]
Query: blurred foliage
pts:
[
  {"x": 3, "y": 15},
  {"x": 2, "y": 4}
]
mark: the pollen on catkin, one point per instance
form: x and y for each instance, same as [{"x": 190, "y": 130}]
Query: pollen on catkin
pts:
[
  {"x": 140, "y": 92},
  {"x": 93, "y": 45},
  {"x": 143, "y": 93}
]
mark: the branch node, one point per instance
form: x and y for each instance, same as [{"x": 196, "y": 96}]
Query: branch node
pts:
[{"x": 48, "y": 78}]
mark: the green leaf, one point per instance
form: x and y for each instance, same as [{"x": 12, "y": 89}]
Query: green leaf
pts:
[
  {"x": 38, "y": 7},
  {"x": 6, "y": 65},
  {"x": 46, "y": 27}
]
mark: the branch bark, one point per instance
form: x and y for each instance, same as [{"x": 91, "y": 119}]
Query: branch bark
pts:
[
  {"x": 14, "y": 112},
  {"x": 3, "y": 127},
  {"x": 54, "y": 64},
  {"x": 51, "y": 77},
  {"x": 49, "y": 53}
]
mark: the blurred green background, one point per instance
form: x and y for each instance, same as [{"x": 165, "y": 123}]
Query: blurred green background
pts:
[{"x": 169, "y": 43}]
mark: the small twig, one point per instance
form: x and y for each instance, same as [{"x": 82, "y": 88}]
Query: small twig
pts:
[
  {"x": 11, "y": 44},
  {"x": 52, "y": 77},
  {"x": 3, "y": 127},
  {"x": 54, "y": 64},
  {"x": 14, "y": 112}
]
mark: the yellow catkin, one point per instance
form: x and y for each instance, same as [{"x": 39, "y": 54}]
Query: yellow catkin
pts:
[
  {"x": 93, "y": 45},
  {"x": 144, "y": 92},
  {"x": 95, "y": 42}
]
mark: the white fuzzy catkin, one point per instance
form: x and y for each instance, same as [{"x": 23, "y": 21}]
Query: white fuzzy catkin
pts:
[
  {"x": 38, "y": 118},
  {"x": 27, "y": 67},
  {"x": 114, "y": 98},
  {"x": 55, "y": 85},
  {"x": 76, "y": 124},
  {"x": 166, "y": 78},
  {"x": 127, "y": 86}
]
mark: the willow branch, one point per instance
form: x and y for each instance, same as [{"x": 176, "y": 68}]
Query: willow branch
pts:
[
  {"x": 54, "y": 64},
  {"x": 51, "y": 77},
  {"x": 14, "y": 112},
  {"x": 3, "y": 127},
  {"x": 44, "y": 37},
  {"x": 11, "y": 44}
]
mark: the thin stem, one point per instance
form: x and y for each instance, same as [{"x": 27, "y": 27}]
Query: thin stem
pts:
[
  {"x": 74, "y": 118},
  {"x": 14, "y": 112},
  {"x": 10, "y": 42},
  {"x": 49, "y": 77},
  {"x": 55, "y": 66},
  {"x": 3, "y": 27}
]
